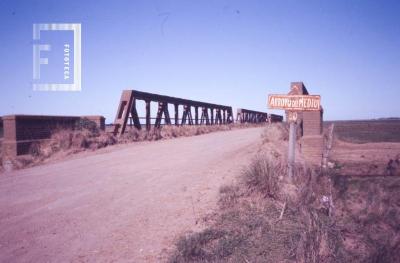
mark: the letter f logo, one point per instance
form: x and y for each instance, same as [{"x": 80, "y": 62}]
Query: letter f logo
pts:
[
  {"x": 37, "y": 60},
  {"x": 41, "y": 59},
  {"x": 37, "y": 48}
]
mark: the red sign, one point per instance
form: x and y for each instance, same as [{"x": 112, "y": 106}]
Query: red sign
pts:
[{"x": 295, "y": 102}]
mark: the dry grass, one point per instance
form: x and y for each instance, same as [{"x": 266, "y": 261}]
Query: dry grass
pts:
[
  {"x": 275, "y": 139},
  {"x": 248, "y": 226},
  {"x": 267, "y": 217},
  {"x": 366, "y": 160},
  {"x": 263, "y": 176},
  {"x": 276, "y": 132},
  {"x": 1, "y": 158},
  {"x": 318, "y": 216},
  {"x": 367, "y": 131},
  {"x": 63, "y": 143},
  {"x": 366, "y": 148},
  {"x": 367, "y": 210},
  {"x": 86, "y": 136},
  {"x": 354, "y": 159},
  {"x": 170, "y": 131}
]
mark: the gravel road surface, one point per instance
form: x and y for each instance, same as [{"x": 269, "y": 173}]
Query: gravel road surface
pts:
[{"x": 125, "y": 203}]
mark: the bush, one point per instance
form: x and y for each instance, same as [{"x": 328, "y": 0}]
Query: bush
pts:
[
  {"x": 86, "y": 135},
  {"x": 66, "y": 142},
  {"x": 275, "y": 132},
  {"x": 263, "y": 176},
  {"x": 228, "y": 196},
  {"x": 191, "y": 247},
  {"x": 86, "y": 124},
  {"x": 257, "y": 222},
  {"x": 1, "y": 163}
]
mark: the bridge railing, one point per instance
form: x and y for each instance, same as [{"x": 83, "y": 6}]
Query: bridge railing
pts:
[
  {"x": 275, "y": 118},
  {"x": 250, "y": 116},
  {"x": 210, "y": 114}
]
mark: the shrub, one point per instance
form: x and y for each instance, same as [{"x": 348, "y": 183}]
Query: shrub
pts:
[
  {"x": 191, "y": 247},
  {"x": 263, "y": 176},
  {"x": 275, "y": 132},
  {"x": 86, "y": 124},
  {"x": 86, "y": 135},
  {"x": 229, "y": 195},
  {"x": 256, "y": 222},
  {"x": 67, "y": 141},
  {"x": 1, "y": 162},
  {"x": 133, "y": 135}
]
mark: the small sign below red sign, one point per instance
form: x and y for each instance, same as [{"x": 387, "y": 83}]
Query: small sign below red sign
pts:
[{"x": 292, "y": 116}]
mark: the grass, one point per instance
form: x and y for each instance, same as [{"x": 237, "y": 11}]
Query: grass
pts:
[
  {"x": 86, "y": 136},
  {"x": 1, "y": 157},
  {"x": 248, "y": 226},
  {"x": 171, "y": 131},
  {"x": 266, "y": 217},
  {"x": 318, "y": 216},
  {"x": 367, "y": 130},
  {"x": 276, "y": 132},
  {"x": 263, "y": 176},
  {"x": 368, "y": 212}
]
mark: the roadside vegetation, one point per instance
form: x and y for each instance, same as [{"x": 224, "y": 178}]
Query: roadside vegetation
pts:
[
  {"x": 368, "y": 131},
  {"x": 1, "y": 158},
  {"x": 85, "y": 136},
  {"x": 266, "y": 217},
  {"x": 318, "y": 216}
]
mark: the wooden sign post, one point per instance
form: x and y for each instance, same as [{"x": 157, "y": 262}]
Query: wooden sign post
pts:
[{"x": 293, "y": 104}]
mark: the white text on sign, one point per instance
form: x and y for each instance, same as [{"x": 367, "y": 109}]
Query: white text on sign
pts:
[{"x": 295, "y": 102}]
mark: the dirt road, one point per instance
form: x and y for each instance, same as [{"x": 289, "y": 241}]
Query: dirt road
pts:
[{"x": 126, "y": 203}]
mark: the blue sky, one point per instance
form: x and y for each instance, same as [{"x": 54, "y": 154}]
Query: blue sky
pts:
[{"x": 226, "y": 52}]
